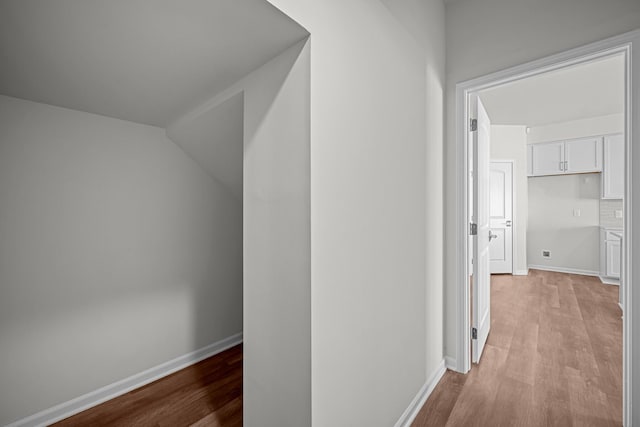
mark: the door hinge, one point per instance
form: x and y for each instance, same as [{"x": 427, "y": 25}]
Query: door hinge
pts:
[
  {"x": 473, "y": 229},
  {"x": 473, "y": 125},
  {"x": 474, "y": 334}
]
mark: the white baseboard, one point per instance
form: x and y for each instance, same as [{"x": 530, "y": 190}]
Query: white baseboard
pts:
[
  {"x": 609, "y": 281},
  {"x": 521, "y": 272},
  {"x": 564, "y": 270},
  {"x": 450, "y": 363},
  {"x": 425, "y": 391},
  {"x": 96, "y": 397}
]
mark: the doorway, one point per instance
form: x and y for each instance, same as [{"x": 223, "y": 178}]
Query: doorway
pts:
[
  {"x": 501, "y": 216},
  {"x": 466, "y": 92}
]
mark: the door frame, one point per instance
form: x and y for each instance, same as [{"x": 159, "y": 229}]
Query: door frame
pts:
[
  {"x": 627, "y": 44},
  {"x": 514, "y": 223}
]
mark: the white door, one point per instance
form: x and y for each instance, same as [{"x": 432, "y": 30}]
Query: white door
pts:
[
  {"x": 547, "y": 158},
  {"x": 501, "y": 217},
  {"x": 481, "y": 313},
  {"x": 583, "y": 155}
]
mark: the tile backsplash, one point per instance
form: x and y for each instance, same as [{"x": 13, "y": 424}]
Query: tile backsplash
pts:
[{"x": 608, "y": 210}]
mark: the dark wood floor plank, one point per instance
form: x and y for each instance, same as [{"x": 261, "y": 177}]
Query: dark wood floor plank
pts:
[
  {"x": 553, "y": 358},
  {"x": 208, "y": 393}
]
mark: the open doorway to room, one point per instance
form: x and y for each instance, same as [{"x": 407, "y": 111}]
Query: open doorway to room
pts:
[
  {"x": 556, "y": 191},
  {"x": 546, "y": 225}
]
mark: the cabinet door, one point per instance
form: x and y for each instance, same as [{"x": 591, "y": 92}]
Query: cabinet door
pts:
[
  {"x": 547, "y": 158},
  {"x": 583, "y": 155},
  {"x": 613, "y": 258},
  {"x": 613, "y": 167}
]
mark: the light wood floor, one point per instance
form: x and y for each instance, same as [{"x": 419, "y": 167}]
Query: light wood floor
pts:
[
  {"x": 208, "y": 393},
  {"x": 553, "y": 358}
]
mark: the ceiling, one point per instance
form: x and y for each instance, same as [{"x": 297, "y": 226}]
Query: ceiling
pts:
[
  {"x": 583, "y": 91},
  {"x": 214, "y": 139},
  {"x": 146, "y": 61}
]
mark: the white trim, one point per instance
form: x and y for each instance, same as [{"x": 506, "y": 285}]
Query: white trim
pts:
[
  {"x": 96, "y": 397},
  {"x": 521, "y": 272},
  {"x": 418, "y": 401},
  {"x": 568, "y": 270},
  {"x": 449, "y": 363},
  {"x": 609, "y": 280},
  {"x": 627, "y": 44}
]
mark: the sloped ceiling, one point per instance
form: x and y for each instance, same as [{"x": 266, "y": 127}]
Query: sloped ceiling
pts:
[
  {"x": 214, "y": 139},
  {"x": 580, "y": 92},
  {"x": 146, "y": 61}
]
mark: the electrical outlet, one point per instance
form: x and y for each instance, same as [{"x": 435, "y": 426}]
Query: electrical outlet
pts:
[
  {"x": 546, "y": 254},
  {"x": 576, "y": 212}
]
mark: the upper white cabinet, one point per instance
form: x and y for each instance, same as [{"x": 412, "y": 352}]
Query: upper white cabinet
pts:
[
  {"x": 558, "y": 158},
  {"x": 613, "y": 170},
  {"x": 583, "y": 155},
  {"x": 547, "y": 158}
]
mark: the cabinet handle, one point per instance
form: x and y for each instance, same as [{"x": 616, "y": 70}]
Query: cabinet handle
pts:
[
  {"x": 561, "y": 164},
  {"x": 566, "y": 165}
]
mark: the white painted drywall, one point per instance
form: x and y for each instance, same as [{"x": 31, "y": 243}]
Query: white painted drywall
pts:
[
  {"x": 375, "y": 183},
  {"x": 510, "y": 143},
  {"x": 277, "y": 228},
  {"x": 138, "y": 61},
  {"x": 277, "y": 247},
  {"x": 602, "y": 125},
  {"x": 574, "y": 241},
  {"x": 214, "y": 140},
  {"x": 484, "y": 36},
  {"x": 117, "y": 253}
]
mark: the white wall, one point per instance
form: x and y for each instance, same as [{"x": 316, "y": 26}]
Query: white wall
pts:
[
  {"x": 484, "y": 36},
  {"x": 375, "y": 182},
  {"x": 593, "y": 126},
  {"x": 214, "y": 140},
  {"x": 574, "y": 242},
  {"x": 117, "y": 253},
  {"x": 277, "y": 247},
  {"x": 510, "y": 143},
  {"x": 277, "y": 259}
]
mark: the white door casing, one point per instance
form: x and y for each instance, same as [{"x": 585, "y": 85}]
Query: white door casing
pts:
[
  {"x": 501, "y": 217},
  {"x": 481, "y": 304}
]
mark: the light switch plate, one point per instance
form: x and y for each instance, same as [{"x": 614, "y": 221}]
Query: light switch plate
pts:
[
  {"x": 576, "y": 212},
  {"x": 618, "y": 213}
]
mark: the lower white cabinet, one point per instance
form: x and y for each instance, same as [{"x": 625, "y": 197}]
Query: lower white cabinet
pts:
[
  {"x": 613, "y": 258},
  {"x": 610, "y": 255}
]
